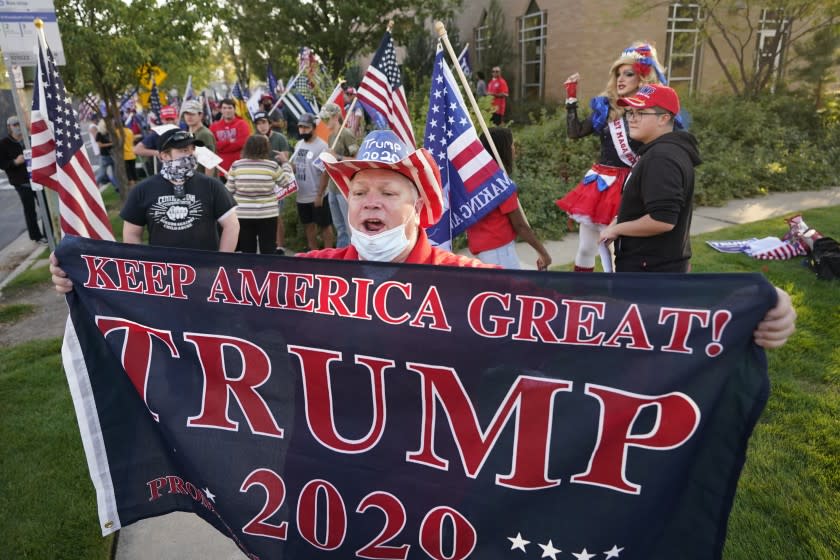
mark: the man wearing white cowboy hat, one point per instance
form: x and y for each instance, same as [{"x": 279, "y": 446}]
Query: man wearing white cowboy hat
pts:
[{"x": 392, "y": 194}]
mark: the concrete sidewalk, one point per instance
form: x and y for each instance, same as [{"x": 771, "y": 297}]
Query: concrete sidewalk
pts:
[{"x": 184, "y": 536}]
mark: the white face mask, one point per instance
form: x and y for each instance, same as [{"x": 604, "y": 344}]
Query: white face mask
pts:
[{"x": 381, "y": 247}]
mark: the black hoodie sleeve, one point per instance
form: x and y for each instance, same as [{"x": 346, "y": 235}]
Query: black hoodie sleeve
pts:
[{"x": 663, "y": 189}]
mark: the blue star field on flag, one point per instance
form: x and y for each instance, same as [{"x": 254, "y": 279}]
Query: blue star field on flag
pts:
[{"x": 473, "y": 182}]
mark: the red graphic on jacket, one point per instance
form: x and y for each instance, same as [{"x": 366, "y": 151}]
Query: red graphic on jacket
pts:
[{"x": 230, "y": 139}]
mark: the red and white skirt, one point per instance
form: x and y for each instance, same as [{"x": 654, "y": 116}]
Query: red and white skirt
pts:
[{"x": 595, "y": 200}]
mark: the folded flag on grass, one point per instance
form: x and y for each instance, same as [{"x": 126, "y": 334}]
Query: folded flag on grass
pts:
[{"x": 766, "y": 248}]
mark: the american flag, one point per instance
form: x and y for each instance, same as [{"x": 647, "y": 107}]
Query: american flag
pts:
[
  {"x": 126, "y": 101},
  {"x": 382, "y": 95},
  {"x": 473, "y": 183},
  {"x": 154, "y": 101},
  {"x": 59, "y": 160},
  {"x": 88, "y": 108}
]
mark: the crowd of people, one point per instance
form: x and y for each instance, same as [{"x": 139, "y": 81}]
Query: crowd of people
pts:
[{"x": 371, "y": 197}]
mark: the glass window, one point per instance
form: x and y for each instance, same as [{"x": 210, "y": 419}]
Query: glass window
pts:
[
  {"x": 683, "y": 47},
  {"x": 481, "y": 34},
  {"x": 773, "y": 35},
  {"x": 532, "y": 39}
]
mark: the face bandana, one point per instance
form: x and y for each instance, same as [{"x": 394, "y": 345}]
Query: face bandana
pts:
[
  {"x": 381, "y": 247},
  {"x": 177, "y": 171}
]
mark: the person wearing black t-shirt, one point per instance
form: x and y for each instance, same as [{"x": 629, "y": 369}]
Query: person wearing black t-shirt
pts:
[{"x": 179, "y": 207}]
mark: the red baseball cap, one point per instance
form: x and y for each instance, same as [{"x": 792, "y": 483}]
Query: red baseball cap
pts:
[
  {"x": 168, "y": 112},
  {"x": 653, "y": 95}
]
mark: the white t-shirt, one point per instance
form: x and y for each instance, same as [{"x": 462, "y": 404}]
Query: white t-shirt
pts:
[{"x": 308, "y": 168}]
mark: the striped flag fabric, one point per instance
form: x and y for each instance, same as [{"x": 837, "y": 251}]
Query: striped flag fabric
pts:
[
  {"x": 464, "y": 61},
  {"x": 59, "y": 160},
  {"x": 88, "y": 108},
  {"x": 473, "y": 183},
  {"x": 382, "y": 95},
  {"x": 296, "y": 102},
  {"x": 337, "y": 97},
  {"x": 127, "y": 102}
]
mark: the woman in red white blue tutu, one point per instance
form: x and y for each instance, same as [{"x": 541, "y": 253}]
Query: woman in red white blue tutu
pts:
[{"x": 594, "y": 202}]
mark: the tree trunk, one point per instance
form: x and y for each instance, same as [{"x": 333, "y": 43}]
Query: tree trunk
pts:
[{"x": 113, "y": 122}]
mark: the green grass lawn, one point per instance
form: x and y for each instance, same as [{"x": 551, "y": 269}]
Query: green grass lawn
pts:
[
  {"x": 787, "y": 501},
  {"x": 15, "y": 312},
  {"x": 47, "y": 501}
]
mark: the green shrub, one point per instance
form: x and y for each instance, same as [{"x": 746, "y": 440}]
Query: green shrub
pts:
[
  {"x": 547, "y": 166},
  {"x": 749, "y": 148}
]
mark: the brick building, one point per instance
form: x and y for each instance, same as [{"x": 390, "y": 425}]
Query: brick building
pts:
[{"x": 552, "y": 39}]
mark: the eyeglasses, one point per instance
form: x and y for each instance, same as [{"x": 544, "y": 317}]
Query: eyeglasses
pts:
[
  {"x": 630, "y": 114},
  {"x": 179, "y": 136},
  {"x": 496, "y": 71}
]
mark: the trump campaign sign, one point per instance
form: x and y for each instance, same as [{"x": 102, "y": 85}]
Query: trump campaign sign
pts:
[{"x": 329, "y": 409}]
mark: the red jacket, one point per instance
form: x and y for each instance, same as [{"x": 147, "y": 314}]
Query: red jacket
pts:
[
  {"x": 230, "y": 139},
  {"x": 422, "y": 253}
]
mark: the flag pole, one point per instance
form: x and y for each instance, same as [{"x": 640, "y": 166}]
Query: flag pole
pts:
[
  {"x": 285, "y": 93},
  {"x": 441, "y": 30},
  {"x": 343, "y": 124},
  {"x": 43, "y": 206}
]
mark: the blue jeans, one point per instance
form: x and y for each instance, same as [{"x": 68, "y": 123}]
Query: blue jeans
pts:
[
  {"x": 505, "y": 256},
  {"x": 338, "y": 209},
  {"x": 105, "y": 162}
]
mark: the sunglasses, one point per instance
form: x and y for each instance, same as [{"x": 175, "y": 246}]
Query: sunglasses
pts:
[{"x": 179, "y": 136}]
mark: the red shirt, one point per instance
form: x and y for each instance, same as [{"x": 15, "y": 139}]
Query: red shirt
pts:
[
  {"x": 493, "y": 230},
  {"x": 230, "y": 139},
  {"x": 422, "y": 253},
  {"x": 498, "y": 85}
]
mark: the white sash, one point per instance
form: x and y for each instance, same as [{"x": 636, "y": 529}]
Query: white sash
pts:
[{"x": 621, "y": 140}]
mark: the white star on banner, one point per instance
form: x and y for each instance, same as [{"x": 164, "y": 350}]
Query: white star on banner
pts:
[
  {"x": 583, "y": 555},
  {"x": 518, "y": 542},
  {"x": 210, "y": 495},
  {"x": 549, "y": 550},
  {"x": 613, "y": 552}
]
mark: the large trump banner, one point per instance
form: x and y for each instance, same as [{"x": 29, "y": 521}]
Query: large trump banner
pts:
[{"x": 328, "y": 409}]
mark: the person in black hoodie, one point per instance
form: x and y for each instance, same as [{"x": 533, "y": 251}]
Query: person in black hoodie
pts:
[
  {"x": 651, "y": 232},
  {"x": 13, "y": 163}
]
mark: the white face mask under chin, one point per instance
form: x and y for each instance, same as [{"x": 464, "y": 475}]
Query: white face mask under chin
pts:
[{"x": 381, "y": 247}]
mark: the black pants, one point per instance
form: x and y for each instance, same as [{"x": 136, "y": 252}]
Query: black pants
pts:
[
  {"x": 652, "y": 264},
  {"x": 255, "y": 233},
  {"x": 27, "y": 198}
]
